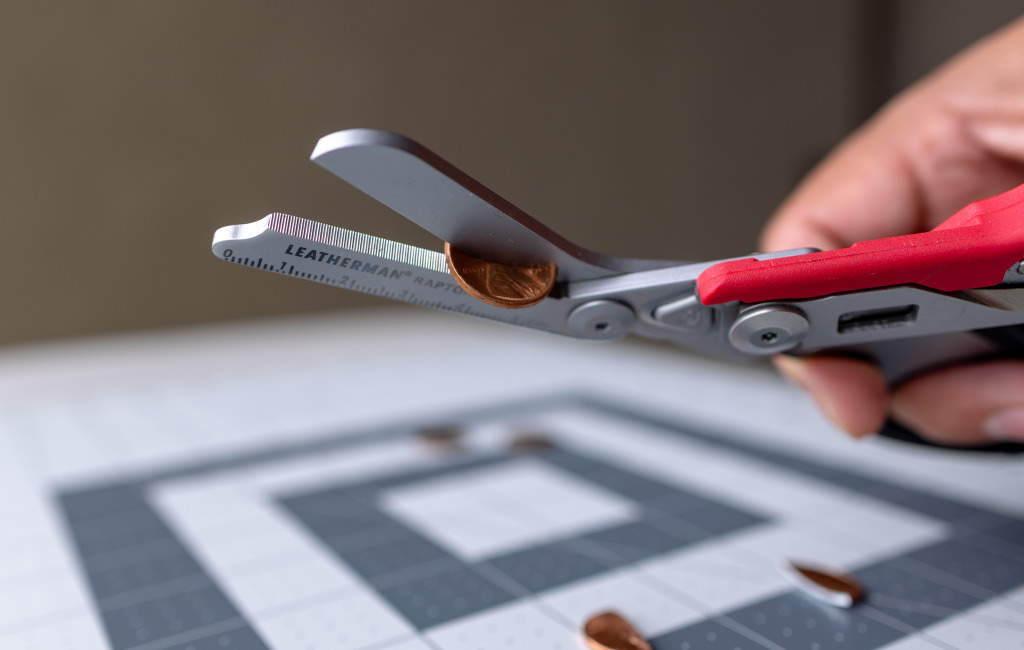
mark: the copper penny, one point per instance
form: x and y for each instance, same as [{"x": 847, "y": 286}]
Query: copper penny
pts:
[
  {"x": 447, "y": 438},
  {"x": 610, "y": 631},
  {"x": 501, "y": 285},
  {"x": 526, "y": 442},
  {"x": 830, "y": 586}
]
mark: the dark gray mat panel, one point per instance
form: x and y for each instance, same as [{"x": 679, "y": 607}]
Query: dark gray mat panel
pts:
[
  {"x": 389, "y": 548},
  {"x": 149, "y": 588}
]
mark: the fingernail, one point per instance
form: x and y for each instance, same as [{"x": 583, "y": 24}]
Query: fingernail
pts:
[
  {"x": 797, "y": 370},
  {"x": 1006, "y": 425},
  {"x": 792, "y": 369}
]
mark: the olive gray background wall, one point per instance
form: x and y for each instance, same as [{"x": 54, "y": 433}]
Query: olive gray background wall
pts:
[{"x": 130, "y": 131}]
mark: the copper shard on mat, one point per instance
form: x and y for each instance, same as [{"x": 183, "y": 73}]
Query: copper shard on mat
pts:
[
  {"x": 501, "y": 285},
  {"x": 827, "y": 585},
  {"x": 445, "y": 438},
  {"x": 610, "y": 631},
  {"x": 526, "y": 442}
]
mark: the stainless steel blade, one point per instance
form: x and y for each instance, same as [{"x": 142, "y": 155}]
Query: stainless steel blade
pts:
[
  {"x": 342, "y": 258},
  {"x": 1005, "y": 298},
  {"x": 431, "y": 192}
]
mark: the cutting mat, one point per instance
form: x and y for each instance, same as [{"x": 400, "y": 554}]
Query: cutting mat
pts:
[{"x": 269, "y": 487}]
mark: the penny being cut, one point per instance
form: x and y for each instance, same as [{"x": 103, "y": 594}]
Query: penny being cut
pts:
[
  {"x": 610, "y": 631},
  {"x": 501, "y": 285},
  {"x": 831, "y": 586}
]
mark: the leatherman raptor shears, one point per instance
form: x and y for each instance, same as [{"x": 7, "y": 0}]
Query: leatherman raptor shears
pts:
[{"x": 909, "y": 302}]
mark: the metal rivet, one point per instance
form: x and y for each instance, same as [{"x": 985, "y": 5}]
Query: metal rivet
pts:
[
  {"x": 768, "y": 329},
  {"x": 601, "y": 319}
]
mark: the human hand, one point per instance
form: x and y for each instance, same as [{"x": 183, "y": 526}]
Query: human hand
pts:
[{"x": 955, "y": 137}]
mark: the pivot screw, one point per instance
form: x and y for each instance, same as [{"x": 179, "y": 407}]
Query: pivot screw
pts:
[
  {"x": 600, "y": 319},
  {"x": 769, "y": 329}
]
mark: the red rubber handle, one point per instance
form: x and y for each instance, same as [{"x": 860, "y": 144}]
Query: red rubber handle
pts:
[{"x": 973, "y": 248}]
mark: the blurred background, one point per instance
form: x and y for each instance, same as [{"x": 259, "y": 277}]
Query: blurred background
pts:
[{"x": 130, "y": 131}]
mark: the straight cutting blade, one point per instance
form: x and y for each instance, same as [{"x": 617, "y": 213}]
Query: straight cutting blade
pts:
[
  {"x": 432, "y": 193},
  {"x": 342, "y": 258}
]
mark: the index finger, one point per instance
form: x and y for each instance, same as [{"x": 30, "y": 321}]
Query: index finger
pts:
[
  {"x": 954, "y": 138},
  {"x": 863, "y": 190}
]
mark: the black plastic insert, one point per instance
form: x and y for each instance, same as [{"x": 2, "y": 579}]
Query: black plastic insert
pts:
[{"x": 877, "y": 319}]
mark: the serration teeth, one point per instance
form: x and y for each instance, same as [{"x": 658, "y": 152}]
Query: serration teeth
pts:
[{"x": 358, "y": 242}]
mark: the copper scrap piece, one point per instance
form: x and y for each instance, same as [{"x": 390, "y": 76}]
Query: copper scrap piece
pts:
[
  {"x": 830, "y": 586},
  {"x": 530, "y": 442},
  {"x": 443, "y": 438},
  {"x": 610, "y": 631},
  {"x": 501, "y": 285}
]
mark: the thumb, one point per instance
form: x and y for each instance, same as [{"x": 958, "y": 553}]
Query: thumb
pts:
[
  {"x": 850, "y": 392},
  {"x": 965, "y": 405}
]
